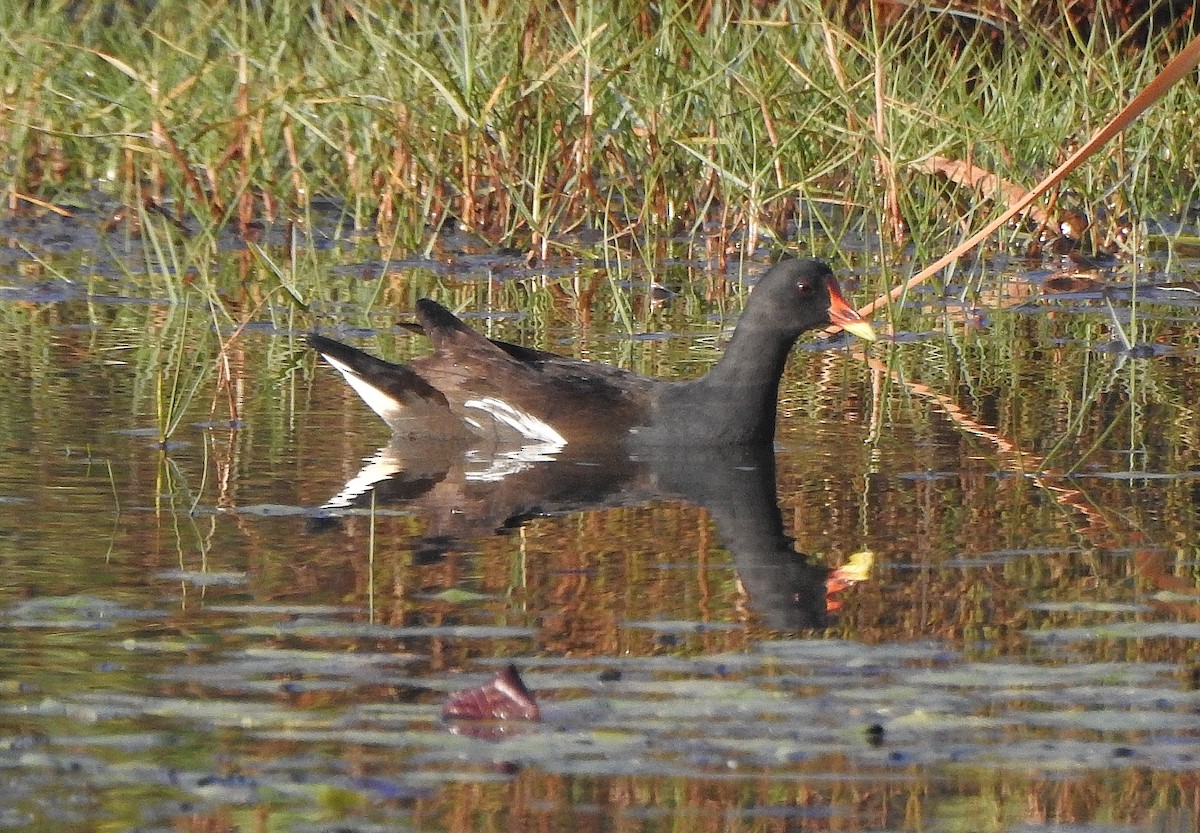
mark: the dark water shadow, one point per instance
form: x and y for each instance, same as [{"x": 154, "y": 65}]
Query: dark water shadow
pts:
[{"x": 463, "y": 496}]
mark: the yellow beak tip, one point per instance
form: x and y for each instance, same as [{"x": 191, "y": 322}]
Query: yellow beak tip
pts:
[{"x": 862, "y": 329}]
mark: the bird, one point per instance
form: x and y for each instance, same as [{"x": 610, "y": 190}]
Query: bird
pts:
[{"x": 473, "y": 388}]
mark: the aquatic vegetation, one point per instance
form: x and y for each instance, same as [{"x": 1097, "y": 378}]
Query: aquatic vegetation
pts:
[
  {"x": 199, "y": 634},
  {"x": 527, "y": 123}
]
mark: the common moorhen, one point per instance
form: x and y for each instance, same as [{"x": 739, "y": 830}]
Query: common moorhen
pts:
[{"x": 473, "y": 386}]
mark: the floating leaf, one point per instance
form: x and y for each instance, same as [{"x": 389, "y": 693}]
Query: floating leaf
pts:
[{"x": 504, "y": 697}]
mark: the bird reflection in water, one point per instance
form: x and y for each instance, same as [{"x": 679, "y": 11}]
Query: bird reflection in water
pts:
[{"x": 462, "y": 496}]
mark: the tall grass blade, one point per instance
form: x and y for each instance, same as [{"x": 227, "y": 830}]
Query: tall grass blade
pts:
[{"x": 1174, "y": 71}]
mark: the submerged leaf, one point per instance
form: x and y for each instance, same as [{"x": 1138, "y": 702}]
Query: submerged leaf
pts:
[{"x": 504, "y": 697}]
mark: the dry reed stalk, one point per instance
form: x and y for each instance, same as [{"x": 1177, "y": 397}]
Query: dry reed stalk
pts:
[{"x": 1182, "y": 64}]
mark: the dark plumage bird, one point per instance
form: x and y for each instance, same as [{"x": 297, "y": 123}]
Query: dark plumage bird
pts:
[{"x": 472, "y": 385}]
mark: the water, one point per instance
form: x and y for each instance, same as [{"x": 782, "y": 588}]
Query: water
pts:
[{"x": 187, "y": 641}]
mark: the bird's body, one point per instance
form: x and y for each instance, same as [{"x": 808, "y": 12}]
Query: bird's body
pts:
[{"x": 472, "y": 385}]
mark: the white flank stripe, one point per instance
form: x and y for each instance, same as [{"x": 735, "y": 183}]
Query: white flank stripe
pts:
[{"x": 525, "y": 424}]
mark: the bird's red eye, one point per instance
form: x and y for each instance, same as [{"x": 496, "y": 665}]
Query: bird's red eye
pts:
[{"x": 803, "y": 287}]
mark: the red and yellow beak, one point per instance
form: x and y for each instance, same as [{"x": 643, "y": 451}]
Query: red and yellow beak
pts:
[{"x": 841, "y": 314}]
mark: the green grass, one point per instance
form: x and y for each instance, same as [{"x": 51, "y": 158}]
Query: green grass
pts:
[
  {"x": 536, "y": 129},
  {"x": 527, "y": 121}
]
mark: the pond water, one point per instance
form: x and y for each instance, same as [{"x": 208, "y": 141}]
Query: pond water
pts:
[{"x": 229, "y": 631}]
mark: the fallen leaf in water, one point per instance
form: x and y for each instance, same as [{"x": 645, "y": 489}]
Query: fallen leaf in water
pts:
[
  {"x": 504, "y": 697},
  {"x": 1070, "y": 282}
]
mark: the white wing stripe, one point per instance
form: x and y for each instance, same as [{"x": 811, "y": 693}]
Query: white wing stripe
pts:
[{"x": 526, "y": 424}]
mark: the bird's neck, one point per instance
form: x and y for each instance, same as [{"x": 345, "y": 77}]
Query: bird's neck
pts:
[{"x": 741, "y": 391}]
